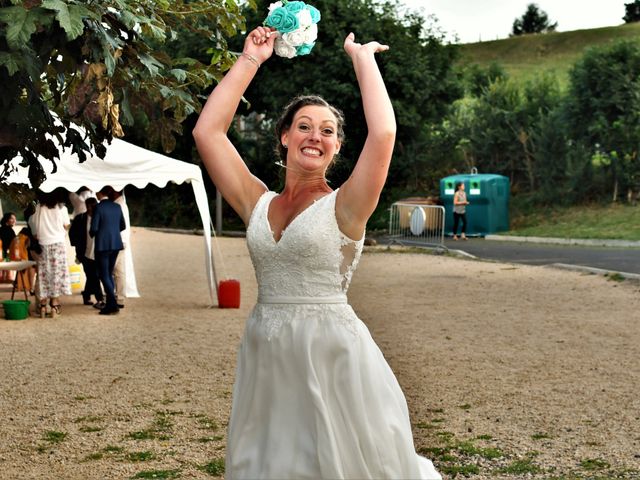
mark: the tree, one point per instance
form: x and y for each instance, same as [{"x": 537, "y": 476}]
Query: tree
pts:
[
  {"x": 418, "y": 71},
  {"x": 104, "y": 66},
  {"x": 533, "y": 20},
  {"x": 501, "y": 130},
  {"x": 632, "y": 12},
  {"x": 604, "y": 113},
  {"x": 477, "y": 78}
]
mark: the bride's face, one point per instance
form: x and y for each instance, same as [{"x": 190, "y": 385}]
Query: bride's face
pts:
[{"x": 312, "y": 140}]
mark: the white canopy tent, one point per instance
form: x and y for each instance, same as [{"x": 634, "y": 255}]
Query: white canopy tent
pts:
[{"x": 125, "y": 164}]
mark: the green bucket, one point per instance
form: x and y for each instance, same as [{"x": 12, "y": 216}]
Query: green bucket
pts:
[{"x": 16, "y": 309}]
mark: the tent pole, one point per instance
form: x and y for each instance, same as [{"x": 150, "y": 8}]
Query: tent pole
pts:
[{"x": 218, "y": 212}]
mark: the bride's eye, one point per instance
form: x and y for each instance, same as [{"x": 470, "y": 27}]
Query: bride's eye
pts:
[
  {"x": 328, "y": 131},
  {"x": 303, "y": 127}
]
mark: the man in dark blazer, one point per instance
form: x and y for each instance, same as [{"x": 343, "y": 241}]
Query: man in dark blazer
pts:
[
  {"x": 106, "y": 224},
  {"x": 78, "y": 235}
]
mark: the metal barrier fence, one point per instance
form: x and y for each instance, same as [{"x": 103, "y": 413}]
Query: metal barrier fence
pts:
[{"x": 417, "y": 224}]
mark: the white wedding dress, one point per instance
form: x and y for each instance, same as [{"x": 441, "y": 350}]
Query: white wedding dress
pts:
[{"x": 314, "y": 397}]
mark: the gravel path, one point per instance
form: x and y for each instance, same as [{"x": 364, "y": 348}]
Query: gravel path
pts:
[{"x": 509, "y": 371}]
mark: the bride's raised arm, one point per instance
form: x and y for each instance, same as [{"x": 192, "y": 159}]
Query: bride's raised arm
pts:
[
  {"x": 359, "y": 195},
  {"x": 239, "y": 187}
]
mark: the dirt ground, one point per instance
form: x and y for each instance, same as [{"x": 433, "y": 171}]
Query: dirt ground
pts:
[{"x": 509, "y": 371}]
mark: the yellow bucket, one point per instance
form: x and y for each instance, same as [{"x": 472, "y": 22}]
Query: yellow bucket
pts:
[{"x": 75, "y": 272}]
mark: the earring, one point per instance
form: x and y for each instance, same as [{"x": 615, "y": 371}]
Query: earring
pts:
[{"x": 284, "y": 145}]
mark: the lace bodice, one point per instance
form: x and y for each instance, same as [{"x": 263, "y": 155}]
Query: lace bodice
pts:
[{"x": 313, "y": 258}]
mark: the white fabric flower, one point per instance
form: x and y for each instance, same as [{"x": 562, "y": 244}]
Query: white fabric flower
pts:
[
  {"x": 304, "y": 18},
  {"x": 273, "y": 6},
  {"x": 283, "y": 49},
  {"x": 310, "y": 34},
  {"x": 295, "y": 38}
]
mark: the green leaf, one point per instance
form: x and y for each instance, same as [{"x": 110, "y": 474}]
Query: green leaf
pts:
[
  {"x": 109, "y": 61},
  {"x": 129, "y": 19},
  {"x": 10, "y": 62},
  {"x": 154, "y": 31},
  {"x": 151, "y": 63},
  {"x": 69, "y": 16},
  {"x": 165, "y": 91},
  {"x": 125, "y": 109},
  {"x": 179, "y": 74},
  {"x": 21, "y": 24}
]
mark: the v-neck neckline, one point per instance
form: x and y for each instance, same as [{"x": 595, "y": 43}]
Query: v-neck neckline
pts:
[{"x": 284, "y": 230}]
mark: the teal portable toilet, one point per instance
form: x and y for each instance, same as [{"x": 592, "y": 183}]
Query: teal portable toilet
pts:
[{"x": 488, "y": 197}]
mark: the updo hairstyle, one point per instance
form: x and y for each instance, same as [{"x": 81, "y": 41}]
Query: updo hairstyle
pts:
[{"x": 286, "y": 119}]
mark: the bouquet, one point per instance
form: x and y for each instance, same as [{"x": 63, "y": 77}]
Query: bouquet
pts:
[{"x": 297, "y": 27}]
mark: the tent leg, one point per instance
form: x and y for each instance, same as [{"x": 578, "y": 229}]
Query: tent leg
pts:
[{"x": 218, "y": 212}]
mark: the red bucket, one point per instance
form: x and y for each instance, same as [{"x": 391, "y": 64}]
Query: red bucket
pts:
[{"x": 229, "y": 294}]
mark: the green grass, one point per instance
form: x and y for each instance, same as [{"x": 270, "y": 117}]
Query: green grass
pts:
[
  {"x": 464, "y": 470},
  {"x": 140, "y": 456},
  {"x": 520, "y": 467},
  {"x": 52, "y": 436},
  {"x": 618, "y": 222},
  {"x": 469, "y": 449},
  {"x": 160, "y": 429},
  {"x": 615, "y": 277},
  {"x": 215, "y": 438},
  {"x": 113, "y": 449},
  {"x": 90, "y": 429},
  {"x": 207, "y": 424},
  {"x": 158, "y": 474},
  {"x": 527, "y": 56},
  {"x": 594, "y": 464},
  {"x": 214, "y": 467},
  {"x": 148, "y": 434}
]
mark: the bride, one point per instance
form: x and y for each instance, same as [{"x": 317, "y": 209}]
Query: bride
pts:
[{"x": 314, "y": 397}]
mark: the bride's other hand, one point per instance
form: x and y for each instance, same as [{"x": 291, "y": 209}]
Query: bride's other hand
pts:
[
  {"x": 259, "y": 43},
  {"x": 353, "y": 48}
]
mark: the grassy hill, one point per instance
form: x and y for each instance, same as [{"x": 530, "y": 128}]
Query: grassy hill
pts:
[{"x": 526, "y": 56}]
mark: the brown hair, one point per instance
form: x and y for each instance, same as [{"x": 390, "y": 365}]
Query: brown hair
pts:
[{"x": 286, "y": 119}]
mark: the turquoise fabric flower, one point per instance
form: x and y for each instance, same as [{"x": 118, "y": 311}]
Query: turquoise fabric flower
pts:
[
  {"x": 305, "y": 48},
  {"x": 282, "y": 20},
  {"x": 294, "y": 7},
  {"x": 315, "y": 13},
  {"x": 296, "y": 23}
]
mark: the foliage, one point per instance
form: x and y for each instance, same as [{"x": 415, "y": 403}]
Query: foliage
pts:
[
  {"x": 102, "y": 65},
  {"x": 417, "y": 70},
  {"x": 477, "y": 78},
  {"x": 632, "y": 11},
  {"x": 603, "y": 114},
  {"x": 534, "y": 20},
  {"x": 501, "y": 129}
]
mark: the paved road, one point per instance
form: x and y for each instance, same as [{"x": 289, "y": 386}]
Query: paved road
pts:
[{"x": 607, "y": 258}]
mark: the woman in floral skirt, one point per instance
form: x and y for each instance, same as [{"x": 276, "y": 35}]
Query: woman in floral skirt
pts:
[{"x": 49, "y": 225}]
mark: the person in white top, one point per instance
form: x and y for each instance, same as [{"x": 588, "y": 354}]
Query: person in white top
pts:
[
  {"x": 49, "y": 226},
  {"x": 78, "y": 200}
]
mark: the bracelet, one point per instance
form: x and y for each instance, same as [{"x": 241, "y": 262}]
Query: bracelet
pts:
[{"x": 251, "y": 58}]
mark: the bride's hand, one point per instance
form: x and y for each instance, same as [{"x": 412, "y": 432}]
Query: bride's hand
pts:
[
  {"x": 353, "y": 48},
  {"x": 259, "y": 43}
]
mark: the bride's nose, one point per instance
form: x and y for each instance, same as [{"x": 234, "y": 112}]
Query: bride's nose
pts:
[{"x": 315, "y": 135}]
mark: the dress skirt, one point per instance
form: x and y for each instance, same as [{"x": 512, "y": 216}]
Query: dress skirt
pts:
[
  {"x": 314, "y": 398},
  {"x": 53, "y": 272}
]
